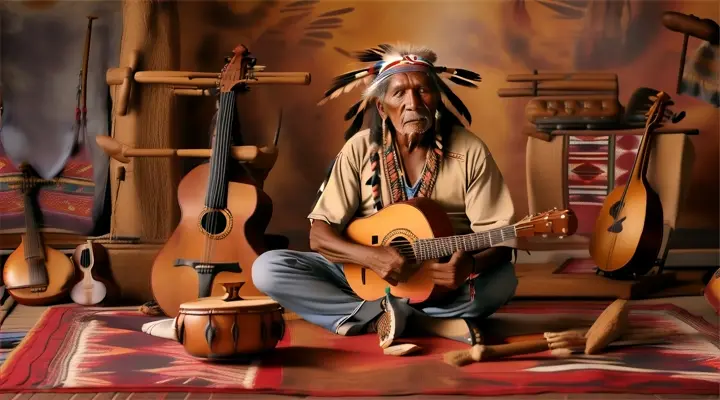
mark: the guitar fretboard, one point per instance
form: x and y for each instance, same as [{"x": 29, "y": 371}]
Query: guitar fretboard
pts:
[{"x": 428, "y": 249}]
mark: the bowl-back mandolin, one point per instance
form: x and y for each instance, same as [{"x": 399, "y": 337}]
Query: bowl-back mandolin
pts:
[
  {"x": 628, "y": 232},
  {"x": 36, "y": 274}
]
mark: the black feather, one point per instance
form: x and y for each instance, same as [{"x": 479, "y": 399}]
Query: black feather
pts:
[
  {"x": 462, "y": 82},
  {"x": 353, "y": 110},
  {"x": 343, "y": 80},
  {"x": 455, "y": 101},
  {"x": 469, "y": 75},
  {"x": 385, "y": 47},
  {"x": 369, "y": 55},
  {"x": 355, "y": 126}
]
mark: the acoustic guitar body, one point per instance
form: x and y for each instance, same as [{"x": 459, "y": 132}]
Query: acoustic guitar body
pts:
[
  {"x": 398, "y": 225},
  {"x": 628, "y": 244},
  {"x": 191, "y": 263},
  {"x": 17, "y": 276}
]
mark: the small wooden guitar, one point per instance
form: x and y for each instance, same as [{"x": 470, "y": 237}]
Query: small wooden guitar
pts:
[
  {"x": 421, "y": 231},
  {"x": 629, "y": 229},
  {"x": 96, "y": 284},
  {"x": 35, "y": 274}
]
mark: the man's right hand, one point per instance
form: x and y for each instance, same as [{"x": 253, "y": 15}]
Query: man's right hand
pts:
[{"x": 388, "y": 263}]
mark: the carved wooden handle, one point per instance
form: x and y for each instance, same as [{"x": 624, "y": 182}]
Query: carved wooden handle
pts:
[
  {"x": 494, "y": 352},
  {"x": 123, "y": 77},
  {"x": 704, "y": 29},
  {"x": 232, "y": 291}
]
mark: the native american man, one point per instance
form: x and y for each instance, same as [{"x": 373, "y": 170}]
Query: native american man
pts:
[{"x": 416, "y": 145}]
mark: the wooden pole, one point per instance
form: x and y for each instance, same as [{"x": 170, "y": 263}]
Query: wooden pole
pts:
[{"x": 145, "y": 206}]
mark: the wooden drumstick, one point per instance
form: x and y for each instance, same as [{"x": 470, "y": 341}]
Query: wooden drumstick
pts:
[
  {"x": 607, "y": 328},
  {"x": 122, "y": 152}
]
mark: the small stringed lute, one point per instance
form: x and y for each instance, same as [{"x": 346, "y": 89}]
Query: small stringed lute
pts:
[
  {"x": 36, "y": 274},
  {"x": 422, "y": 232},
  {"x": 628, "y": 232}
]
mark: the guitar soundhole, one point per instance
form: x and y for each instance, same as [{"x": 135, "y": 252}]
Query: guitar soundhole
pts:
[
  {"x": 214, "y": 222},
  {"x": 85, "y": 258},
  {"x": 404, "y": 247}
]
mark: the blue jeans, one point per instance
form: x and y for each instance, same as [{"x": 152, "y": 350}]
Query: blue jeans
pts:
[{"x": 309, "y": 285}]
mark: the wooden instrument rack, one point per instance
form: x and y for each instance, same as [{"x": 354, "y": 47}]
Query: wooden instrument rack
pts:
[{"x": 186, "y": 83}]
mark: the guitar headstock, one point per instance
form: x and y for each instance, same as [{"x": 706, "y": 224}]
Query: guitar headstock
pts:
[
  {"x": 236, "y": 69},
  {"x": 548, "y": 223}
]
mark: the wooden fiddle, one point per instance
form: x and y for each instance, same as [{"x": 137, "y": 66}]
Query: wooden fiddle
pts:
[
  {"x": 35, "y": 274},
  {"x": 628, "y": 232},
  {"x": 220, "y": 233},
  {"x": 95, "y": 285},
  {"x": 421, "y": 231}
]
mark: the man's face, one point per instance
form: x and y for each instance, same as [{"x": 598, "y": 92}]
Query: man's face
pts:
[{"x": 410, "y": 103}]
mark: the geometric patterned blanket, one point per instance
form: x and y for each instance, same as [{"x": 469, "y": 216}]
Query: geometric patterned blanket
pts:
[
  {"x": 67, "y": 203},
  {"x": 75, "y": 349},
  {"x": 595, "y": 166}
]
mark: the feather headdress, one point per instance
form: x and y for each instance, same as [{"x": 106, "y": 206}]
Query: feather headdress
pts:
[{"x": 388, "y": 60}]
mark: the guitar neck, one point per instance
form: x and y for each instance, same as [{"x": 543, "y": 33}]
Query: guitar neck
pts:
[
  {"x": 428, "y": 249},
  {"x": 216, "y": 196},
  {"x": 33, "y": 244}
]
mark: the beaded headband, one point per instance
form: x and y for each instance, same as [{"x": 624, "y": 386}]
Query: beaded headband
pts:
[{"x": 388, "y": 60}]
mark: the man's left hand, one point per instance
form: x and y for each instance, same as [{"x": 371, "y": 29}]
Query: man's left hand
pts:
[{"x": 453, "y": 273}]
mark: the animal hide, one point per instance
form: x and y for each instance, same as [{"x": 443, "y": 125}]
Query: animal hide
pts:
[
  {"x": 41, "y": 51},
  {"x": 701, "y": 75}
]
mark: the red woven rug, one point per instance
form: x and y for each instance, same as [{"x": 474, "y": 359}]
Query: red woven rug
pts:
[{"x": 75, "y": 349}]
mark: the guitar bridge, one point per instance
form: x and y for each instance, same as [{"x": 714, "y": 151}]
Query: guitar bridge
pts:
[{"x": 38, "y": 289}]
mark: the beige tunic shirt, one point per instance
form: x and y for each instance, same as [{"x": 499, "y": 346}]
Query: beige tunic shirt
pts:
[{"x": 469, "y": 186}]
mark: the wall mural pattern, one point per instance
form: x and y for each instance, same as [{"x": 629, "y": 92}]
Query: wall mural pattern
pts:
[{"x": 495, "y": 38}]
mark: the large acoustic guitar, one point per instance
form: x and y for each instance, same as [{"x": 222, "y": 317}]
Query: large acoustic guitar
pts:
[
  {"x": 221, "y": 230},
  {"x": 421, "y": 232},
  {"x": 628, "y": 232},
  {"x": 35, "y": 274}
]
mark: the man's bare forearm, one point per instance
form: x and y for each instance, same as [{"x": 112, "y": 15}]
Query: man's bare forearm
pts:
[
  {"x": 325, "y": 240},
  {"x": 488, "y": 259}
]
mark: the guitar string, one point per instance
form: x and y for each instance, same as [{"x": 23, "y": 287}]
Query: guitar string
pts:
[
  {"x": 221, "y": 137},
  {"x": 214, "y": 167},
  {"x": 434, "y": 247},
  {"x": 227, "y": 134}
]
